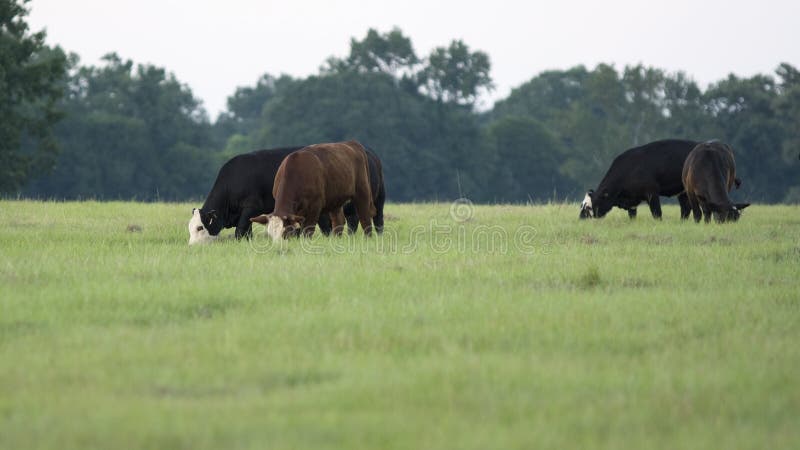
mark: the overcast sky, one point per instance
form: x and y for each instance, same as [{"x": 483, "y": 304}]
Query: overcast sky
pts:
[{"x": 215, "y": 46}]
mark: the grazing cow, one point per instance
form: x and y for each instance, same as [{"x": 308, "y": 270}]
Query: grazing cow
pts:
[
  {"x": 709, "y": 173},
  {"x": 243, "y": 189},
  {"x": 317, "y": 180},
  {"x": 378, "y": 198},
  {"x": 641, "y": 174}
]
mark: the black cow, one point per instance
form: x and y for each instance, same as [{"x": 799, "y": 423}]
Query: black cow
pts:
[
  {"x": 709, "y": 173},
  {"x": 243, "y": 189},
  {"x": 641, "y": 174}
]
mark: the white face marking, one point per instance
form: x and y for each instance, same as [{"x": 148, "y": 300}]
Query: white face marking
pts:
[
  {"x": 275, "y": 228},
  {"x": 587, "y": 201},
  {"x": 197, "y": 232},
  {"x": 587, "y": 204}
]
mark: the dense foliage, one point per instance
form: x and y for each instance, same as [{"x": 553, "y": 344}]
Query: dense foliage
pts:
[
  {"x": 551, "y": 138},
  {"x": 129, "y": 133},
  {"x": 139, "y": 133},
  {"x": 30, "y": 85}
]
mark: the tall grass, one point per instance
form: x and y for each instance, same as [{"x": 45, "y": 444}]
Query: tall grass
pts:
[{"x": 518, "y": 327}]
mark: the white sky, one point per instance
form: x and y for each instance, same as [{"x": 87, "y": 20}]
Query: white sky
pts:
[{"x": 215, "y": 46}]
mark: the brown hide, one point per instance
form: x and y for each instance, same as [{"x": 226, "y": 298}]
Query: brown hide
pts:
[
  {"x": 320, "y": 179},
  {"x": 709, "y": 173}
]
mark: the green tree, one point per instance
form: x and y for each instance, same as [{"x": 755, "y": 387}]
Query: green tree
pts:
[
  {"x": 389, "y": 53},
  {"x": 546, "y": 97},
  {"x": 598, "y": 114},
  {"x": 555, "y": 134},
  {"x": 528, "y": 161},
  {"x": 427, "y": 152},
  {"x": 430, "y": 148},
  {"x": 234, "y": 127},
  {"x": 787, "y": 107},
  {"x": 130, "y": 133},
  {"x": 644, "y": 94},
  {"x": 743, "y": 115},
  {"x": 595, "y": 129},
  {"x": 685, "y": 108},
  {"x": 31, "y": 83},
  {"x": 455, "y": 74}
]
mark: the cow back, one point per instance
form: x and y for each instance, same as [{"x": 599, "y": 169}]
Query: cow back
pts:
[
  {"x": 710, "y": 171},
  {"x": 245, "y": 180},
  {"x": 324, "y": 175}
]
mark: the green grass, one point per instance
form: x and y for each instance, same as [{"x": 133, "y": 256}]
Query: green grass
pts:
[{"x": 593, "y": 334}]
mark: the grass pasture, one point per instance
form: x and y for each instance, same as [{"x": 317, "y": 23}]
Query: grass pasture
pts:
[{"x": 521, "y": 327}]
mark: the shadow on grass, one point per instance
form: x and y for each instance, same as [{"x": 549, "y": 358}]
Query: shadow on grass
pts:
[
  {"x": 267, "y": 383},
  {"x": 167, "y": 314}
]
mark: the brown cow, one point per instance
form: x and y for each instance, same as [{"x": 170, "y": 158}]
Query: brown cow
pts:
[
  {"x": 317, "y": 180},
  {"x": 709, "y": 173}
]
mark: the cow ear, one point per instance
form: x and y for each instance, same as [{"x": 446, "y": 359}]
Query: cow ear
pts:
[
  {"x": 262, "y": 219},
  {"x": 741, "y": 206},
  {"x": 737, "y": 182}
]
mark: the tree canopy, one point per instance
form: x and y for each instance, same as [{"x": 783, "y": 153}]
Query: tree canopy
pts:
[
  {"x": 455, "y": 74},
  {"x": 129, "y": 133},
  {"x": 378, "y": 52},
  {"x": 135, "y": 131},
  {"x": 31, "y": 83}
]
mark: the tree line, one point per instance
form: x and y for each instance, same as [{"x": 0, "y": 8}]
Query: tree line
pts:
[{"x": 120, "y": 130}]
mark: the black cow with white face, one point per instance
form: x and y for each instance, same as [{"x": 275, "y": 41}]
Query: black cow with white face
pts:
[
  {"x": 243, "y": 189},
  {"x": 641, "y": 174}
]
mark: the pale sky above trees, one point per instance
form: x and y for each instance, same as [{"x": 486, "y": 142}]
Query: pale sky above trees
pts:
[{"x": 216, "y": 46}]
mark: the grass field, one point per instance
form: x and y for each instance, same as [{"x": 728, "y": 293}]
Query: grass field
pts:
[{"x": 546, "y": 332}]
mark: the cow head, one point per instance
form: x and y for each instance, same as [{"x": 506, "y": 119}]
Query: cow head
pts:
[
  {"x": 595, "y": 204},
  {"x": 280, "y": 226},
  {"x": 587, "y": 211},
  {"x": 203, "y": 227},
  {"x": 734, "y": 212}
]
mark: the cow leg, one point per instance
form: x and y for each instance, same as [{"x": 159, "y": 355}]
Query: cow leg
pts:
[
  {"x": 365, "y": 209},
  {"x": 697, "y": 213},
  {"x": 655, "y": 206},
  {"x": 310, "y": 226},
  {"x": 351, "y": 217},
  {"x": 325, "y": 224},
  {"x": 632, "y": 213},
  {"x": 706, "y": 212},
  {"x": 683, "y": 199},
  {"x": 380, "y": 199},
  {"x": 694, "y": 203},
  {"x": 338, "y": 221},
  {"x": 244, "y": 228}
]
